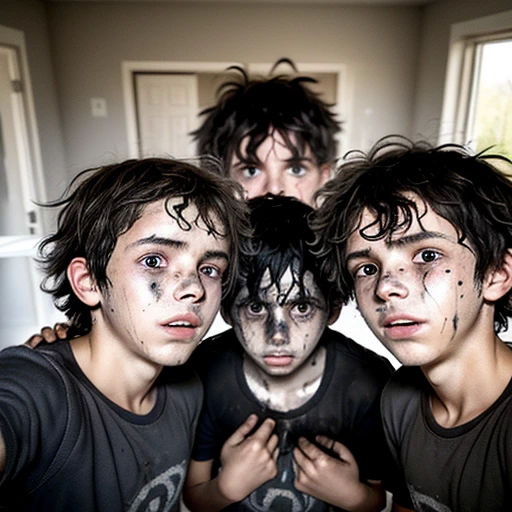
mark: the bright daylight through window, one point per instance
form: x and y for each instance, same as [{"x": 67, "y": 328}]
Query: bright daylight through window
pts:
[{"x": 489, "y": 121}]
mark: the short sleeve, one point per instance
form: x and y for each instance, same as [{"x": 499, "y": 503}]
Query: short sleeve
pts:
[{"x": 33, "y": 415}]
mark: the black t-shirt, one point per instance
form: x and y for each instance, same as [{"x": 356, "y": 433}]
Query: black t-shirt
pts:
[
  {"x": 465, "y": 468},
  {"x": 345, "y": 408},
  {"x": 68, "y": 447}
]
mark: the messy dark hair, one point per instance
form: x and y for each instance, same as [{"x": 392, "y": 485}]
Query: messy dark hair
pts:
[
  {"x": 281, "y": 240},
  {"x": 471, "y": 192},
  {"x": 103, "y": 203},
  {"x": 255, "y": 107}
]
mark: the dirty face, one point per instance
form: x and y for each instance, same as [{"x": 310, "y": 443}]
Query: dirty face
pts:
[
  {"x": 276, "y": 170},
  {"x": 416, "y": 289},
  {"x": 165, "y": 285},
  {"x": 281, "y": 328}
]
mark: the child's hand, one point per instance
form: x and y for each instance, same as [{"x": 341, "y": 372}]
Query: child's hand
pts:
[
  {"x": 334, "y": 480},
  {"x": 49, "y": 335},
  {"x": 248, "y": 461}
]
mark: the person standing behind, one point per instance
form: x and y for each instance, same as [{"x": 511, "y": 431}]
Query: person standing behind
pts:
[
  {"x": 272, "y": 135},
  {"x": 422, "y": 237}
]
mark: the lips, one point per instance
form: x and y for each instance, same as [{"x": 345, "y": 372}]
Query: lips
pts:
[
  {"x": 182, "y": 327},
  {"x": 401, "y": 327},
  {"x": 278, "y": 360}
]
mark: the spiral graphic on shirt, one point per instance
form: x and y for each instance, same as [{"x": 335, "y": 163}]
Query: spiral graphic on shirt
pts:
[
  {"x": 426, "y": 503},
  {"x": 288, "y": 500},
  {"x": 162, "y": 493}
]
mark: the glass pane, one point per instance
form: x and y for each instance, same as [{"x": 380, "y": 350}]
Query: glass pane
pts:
[{"x": 493, "y": 108}]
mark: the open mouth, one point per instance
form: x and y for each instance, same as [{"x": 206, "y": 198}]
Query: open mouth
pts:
[
  {"x": 181, "y": 330},
  {"x": 402, "y": 328}
]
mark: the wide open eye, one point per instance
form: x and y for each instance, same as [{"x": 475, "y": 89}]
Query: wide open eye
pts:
[
  {"x": 297, "y": 170},
  {"x": 250, "y": 172},
  {"x": 211, "y": 271},
  {"x": 255, "y": 308},
  {"x": 152, "y": 261},
  {"x": 303, "y": 308},
  {"x": 368, "y": 269},
  {"x": 427, "y": 256}
]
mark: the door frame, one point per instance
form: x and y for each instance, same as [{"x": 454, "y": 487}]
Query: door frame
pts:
[
  {"x": 130, "y": 68},
  {"x": 31, "y": 168}
]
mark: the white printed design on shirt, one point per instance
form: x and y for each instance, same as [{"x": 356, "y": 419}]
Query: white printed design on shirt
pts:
[{"x": 162, "y": 492}]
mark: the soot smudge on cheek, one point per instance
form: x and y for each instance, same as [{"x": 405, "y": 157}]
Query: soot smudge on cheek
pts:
[{"x": 156, "y": 290}]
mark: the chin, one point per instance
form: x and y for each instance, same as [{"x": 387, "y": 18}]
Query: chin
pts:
[
  {"x": 409, "y": 356},
  {"x": 175, "y": 356}
]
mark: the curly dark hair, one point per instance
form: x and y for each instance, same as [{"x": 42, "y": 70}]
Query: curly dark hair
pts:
[
  {"x": 282, "y": 239},
  {"x": 103, "y": 203},
  {"x": 253, "y": 107},
  {"x": 472, "y": 192}
]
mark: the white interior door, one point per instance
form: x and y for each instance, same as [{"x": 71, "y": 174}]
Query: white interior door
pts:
[
  {"x": 23, "y": 307},
  {"x": 167, "y": 108}
]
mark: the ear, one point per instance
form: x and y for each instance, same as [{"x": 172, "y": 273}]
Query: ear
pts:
[
  {"x": 498, "y": 282},
  {"x": 334, "y": 315},
  {"x": 83, "y": 284},
  {"x": 226, "y": 316}
]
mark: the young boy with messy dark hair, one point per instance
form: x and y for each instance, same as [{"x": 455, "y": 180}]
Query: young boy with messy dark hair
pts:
[
  {"x": 273, "y": 134},
  {"x": 422, "y": 238},
  {"x": 142, "y": 254},
  {"x": 291, "y": 414}
]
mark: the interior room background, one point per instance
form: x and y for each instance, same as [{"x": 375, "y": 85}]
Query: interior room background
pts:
[{"x": 75, "y": 67}]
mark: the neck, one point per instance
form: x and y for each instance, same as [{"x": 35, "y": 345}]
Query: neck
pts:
[
  {"x": 126, "y": 381},
  {"x": 464, "y": 389},
  {"x": 286, "y": 392}
]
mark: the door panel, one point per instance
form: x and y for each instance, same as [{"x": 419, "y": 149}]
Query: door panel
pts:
[{"x": 167, "y": 109}]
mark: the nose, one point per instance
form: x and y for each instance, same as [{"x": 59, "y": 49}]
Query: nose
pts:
[
  {"x": 189, "y": 288},
  {"x": 392, "y": 285},
  {"x": 275, "y": 183},
  {"x": 279, "y": 335}
]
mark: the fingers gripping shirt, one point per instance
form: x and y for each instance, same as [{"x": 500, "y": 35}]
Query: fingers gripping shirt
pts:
[{"x": 69, "y": 448}]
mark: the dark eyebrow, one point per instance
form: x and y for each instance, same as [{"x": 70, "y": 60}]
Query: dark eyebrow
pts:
[
  {"x": 300, "y": 159},
  {"x": 358, "y": 254},
  {"x": 247, "y": 161},
  {"x": 157, "y": 240},
  {"x": 417, "y": 237},
  {"x": 216, "y": 254},
  {"x": 176, "y": 244},
  {"x": 399, "y": 242}
]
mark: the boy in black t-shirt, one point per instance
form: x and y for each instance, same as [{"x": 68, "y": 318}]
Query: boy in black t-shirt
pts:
[
  {"x": 291, "y": 414},
  {"x": 422, "y": 237},
  {"x": 141, "y": 256}
]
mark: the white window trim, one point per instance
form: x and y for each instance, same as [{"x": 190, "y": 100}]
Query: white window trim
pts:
[{"x": 464, "y": 36}]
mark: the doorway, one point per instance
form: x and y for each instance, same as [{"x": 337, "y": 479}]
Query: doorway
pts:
[{"x": 23, "y": 307}]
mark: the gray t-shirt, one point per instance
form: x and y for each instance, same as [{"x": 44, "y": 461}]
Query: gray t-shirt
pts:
[{"x": 68, "y": 447}]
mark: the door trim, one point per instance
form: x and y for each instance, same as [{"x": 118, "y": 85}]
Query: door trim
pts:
[{"x": 129, "y": 68}]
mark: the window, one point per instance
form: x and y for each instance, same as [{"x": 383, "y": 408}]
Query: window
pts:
[
  {"x": 489, "y": 118},
  {"x": 477, "y": 108}
]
